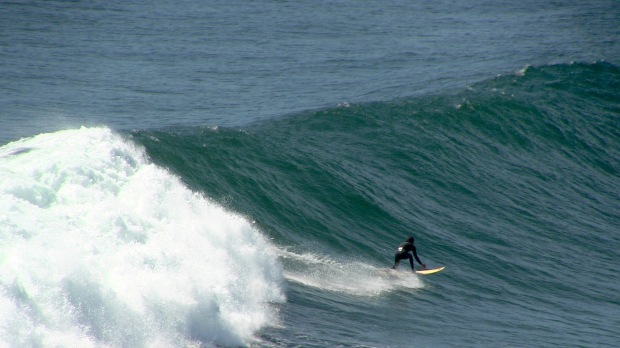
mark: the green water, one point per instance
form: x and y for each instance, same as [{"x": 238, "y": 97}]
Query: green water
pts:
[{"x": 512, "y": 184}]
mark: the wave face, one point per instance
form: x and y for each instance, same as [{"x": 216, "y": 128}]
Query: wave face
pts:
[
  {"x": 100, "y": 247},
  {"x": 513, "y": 184}
]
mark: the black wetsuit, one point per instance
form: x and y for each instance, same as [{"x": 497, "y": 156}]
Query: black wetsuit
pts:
[{"x": 403, "y": 253}]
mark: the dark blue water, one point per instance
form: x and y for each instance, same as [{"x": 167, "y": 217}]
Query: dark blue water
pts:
[
  {"x": 229, "y": 63},
  {"x": 225, "y": 174}
]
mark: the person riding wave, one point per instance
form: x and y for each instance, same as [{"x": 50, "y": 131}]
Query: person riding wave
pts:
[{"x": 403, "y": 252}]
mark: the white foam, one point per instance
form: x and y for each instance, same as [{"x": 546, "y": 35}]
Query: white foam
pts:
[
  {"x": 349, "y": 277},
  {"x": 100, "y": 247},
  {"x": 522, "y": 71}
]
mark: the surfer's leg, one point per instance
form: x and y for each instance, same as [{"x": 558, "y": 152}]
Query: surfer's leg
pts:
[
  {"x": 411, "y": 261},
  {"x": 396, "y": 261}
]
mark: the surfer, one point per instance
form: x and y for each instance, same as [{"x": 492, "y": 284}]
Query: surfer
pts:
[{"x": 403, "y": 253}]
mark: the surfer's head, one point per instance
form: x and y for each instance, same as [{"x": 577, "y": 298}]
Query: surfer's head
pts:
[{"x": 409, "y": 239}]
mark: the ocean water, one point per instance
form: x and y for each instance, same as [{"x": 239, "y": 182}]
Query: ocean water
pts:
[{"x": 226, "y": 174}]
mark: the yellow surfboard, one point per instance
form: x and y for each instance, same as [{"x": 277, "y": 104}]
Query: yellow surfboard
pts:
[{"x": 430, "y": 271}]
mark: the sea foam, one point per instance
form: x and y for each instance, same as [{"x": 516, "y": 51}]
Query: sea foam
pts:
[
  {"x": 101, "y": 247},
  {"x": 345, "y": 276}
]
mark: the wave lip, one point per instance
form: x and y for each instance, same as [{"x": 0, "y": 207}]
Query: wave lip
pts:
[{"x": 103, "y": 248}]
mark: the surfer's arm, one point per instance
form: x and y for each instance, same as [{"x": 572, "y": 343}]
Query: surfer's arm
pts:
[
  {"x": 415, "y": 254},
  {"x": 418, "y": 259}
]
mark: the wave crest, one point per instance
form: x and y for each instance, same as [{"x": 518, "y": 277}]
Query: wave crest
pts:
[{"x": 103, "y": 248}]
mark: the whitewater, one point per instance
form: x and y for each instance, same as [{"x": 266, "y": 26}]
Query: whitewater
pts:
[
  {"x": 102, "y": 248},
  {"x": 238, "y": 174}
]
